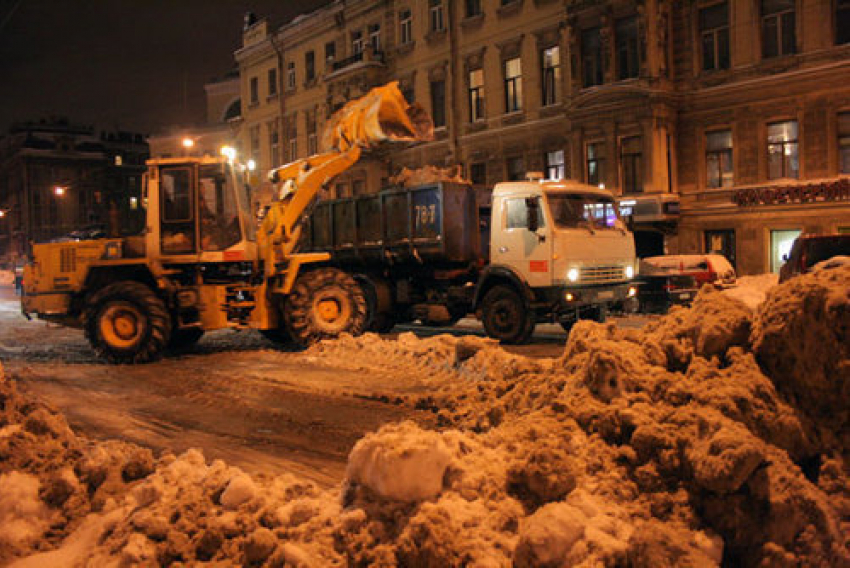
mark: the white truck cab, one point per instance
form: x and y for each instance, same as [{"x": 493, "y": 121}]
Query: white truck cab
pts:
[{"x": 564, "y": 246}]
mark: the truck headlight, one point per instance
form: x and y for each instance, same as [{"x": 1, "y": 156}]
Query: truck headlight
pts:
[
  {"x": 630, "y": 271},
  {"x": 572, "y": 275}
]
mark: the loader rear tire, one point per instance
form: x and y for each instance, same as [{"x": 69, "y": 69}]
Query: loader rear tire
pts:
[
  {"x": 324, "y": 304},
  {"x": 127, "y": 323}
]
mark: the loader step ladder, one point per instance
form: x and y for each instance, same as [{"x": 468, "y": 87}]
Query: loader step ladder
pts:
[{"x": 239, "y": 303}]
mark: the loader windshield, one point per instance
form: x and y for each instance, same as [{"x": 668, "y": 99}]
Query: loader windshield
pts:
[{"x": 218, "y": 209}]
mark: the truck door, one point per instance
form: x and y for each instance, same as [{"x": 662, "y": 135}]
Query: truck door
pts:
[
  {"x": 528, "y": 252},
  {"x": 177, "y": 213}
]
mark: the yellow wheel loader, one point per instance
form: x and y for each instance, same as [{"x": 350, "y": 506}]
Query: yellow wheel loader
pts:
[{"x": 202, "y": 263}]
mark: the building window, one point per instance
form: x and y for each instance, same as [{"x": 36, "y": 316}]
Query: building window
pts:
[
  {"x": 356, "y": 42},
  {"x": 405, "y": 22},
  {"x": 290, "y": 75},
  {"x": 513, "y": 85},
  {"x": 844, "y": 142},
  {"x": 722, "y": 242},
  {"x": 476, "y": 95},
  {"x": 781, "y": 242},
  {"x": 473, "y": 8},
  {"x": 312, "y": 141},
  {"x": 554, "y": 164},
  {"x": 714, "y": 36},
  {"x": 435, "y": 12},
  {"x": 718, "y": 159},
  {"x": 478, "y": 173},
  {"x": 330, "y": 53},
  {"x": 842, "y": 22},
  {"x": 309, "y": 66},
  {"x": 782, "y": 150},
  {"x": 438, "y": 103},
  {"x": 631, "y": 160},
  {"x": 596, "y": 164},
  {"x": 778, "y": 36},
  {"x": 254, "y": 139},
  {"x": 274, "y": 144},
  {"x": 551, "y": 80},
  {"x": 254, "y": 86},
  {"x": 375, "y": 37},
  {"x": 591, "y": 57},
  {"x": 626, "y": 45},
  {"x": 516, "y": 168},
  {"x": 293, "y": 137},
  {"x": 272, "y": 81}
]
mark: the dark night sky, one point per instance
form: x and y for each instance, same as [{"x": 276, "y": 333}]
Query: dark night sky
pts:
[{"x": 136, "y": 65}]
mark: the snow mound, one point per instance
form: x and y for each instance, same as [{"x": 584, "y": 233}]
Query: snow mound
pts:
[
  {"x": 752, "y": 290},
  {"x": 716, "y": 435}
]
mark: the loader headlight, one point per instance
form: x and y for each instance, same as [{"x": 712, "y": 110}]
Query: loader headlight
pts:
[
  {"x": 572, "y": 274},
  {"x": 630, "y": 271}
]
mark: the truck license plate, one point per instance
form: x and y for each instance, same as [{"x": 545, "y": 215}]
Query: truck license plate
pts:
[{"x": 605, "y": 294}]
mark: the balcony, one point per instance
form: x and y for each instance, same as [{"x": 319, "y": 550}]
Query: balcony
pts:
[{"x": 367, "y": 56}]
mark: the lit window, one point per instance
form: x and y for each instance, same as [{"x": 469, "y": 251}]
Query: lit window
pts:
[
  {"x": 555, "y": 165},
  {"x": 782, "y": 150},
  {"x": 596, "y": 163},
  {"x": 718, "y": 159},
  {"x": 551, "y": 60},
  {"x": 476, "y": 95},
  {"x": 513, "y": 85}
]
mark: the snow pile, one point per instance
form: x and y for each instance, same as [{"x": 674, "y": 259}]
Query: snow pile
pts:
[
  {"x": 752, "y": 290},
  {"x": 714, "y": 435}
]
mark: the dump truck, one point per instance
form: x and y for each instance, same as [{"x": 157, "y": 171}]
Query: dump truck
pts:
[
  {"x": 204, "y": 263},
  {"x": 535, "y": 251}
]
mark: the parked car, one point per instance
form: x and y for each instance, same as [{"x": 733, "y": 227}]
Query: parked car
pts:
[
  {"x": 704, "y": 268},
  {"x": 810, "y": 249},
  {"x": 658, "y": 293}
]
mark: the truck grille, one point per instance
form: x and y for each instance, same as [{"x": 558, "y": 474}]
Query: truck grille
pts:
[
  {"x": 601, "y": 274},
  {"x": 68, "y": 260}
]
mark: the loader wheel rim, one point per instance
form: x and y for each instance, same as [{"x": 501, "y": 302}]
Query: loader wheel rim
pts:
[
  {"x": 122, "y": 325},
  {"x": 331, "y": 310}
]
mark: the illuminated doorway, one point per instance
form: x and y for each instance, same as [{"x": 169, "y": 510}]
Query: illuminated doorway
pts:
[{"x": 780, "y": 246}]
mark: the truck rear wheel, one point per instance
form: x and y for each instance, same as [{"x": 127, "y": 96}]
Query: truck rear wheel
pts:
[
  {"x": 506, "y": 317},
  {"x": 127, "y": 323},
  {"x": 324, "y": 304}
]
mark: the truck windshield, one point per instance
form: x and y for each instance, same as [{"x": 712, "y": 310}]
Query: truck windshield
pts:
[{"x": 575, "y": 210}]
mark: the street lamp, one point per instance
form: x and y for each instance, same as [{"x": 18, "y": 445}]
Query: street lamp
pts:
[{"x": 59, "y": 191}]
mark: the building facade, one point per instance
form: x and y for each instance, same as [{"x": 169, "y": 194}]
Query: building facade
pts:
[
  {"x": 57, "y": 178},
  {"x": 722, "y": 125}
]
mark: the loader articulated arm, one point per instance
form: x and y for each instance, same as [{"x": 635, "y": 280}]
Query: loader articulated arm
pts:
[{"x": 382, "y": 115}]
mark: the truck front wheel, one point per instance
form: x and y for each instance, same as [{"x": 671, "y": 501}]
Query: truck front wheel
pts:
[
  {"x": 324, "y": 304},
  {"x": 506, "y": 317},
  {"x": 127, "y": 323}
]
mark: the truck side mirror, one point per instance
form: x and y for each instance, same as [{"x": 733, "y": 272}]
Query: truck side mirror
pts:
[{"x": 532, "y": 207}]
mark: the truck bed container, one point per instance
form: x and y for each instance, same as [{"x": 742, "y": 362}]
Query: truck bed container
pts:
[{"x": 434, "y": 223}]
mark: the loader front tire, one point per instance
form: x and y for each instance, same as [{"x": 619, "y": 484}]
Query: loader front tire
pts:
[
  {"x": 127, "y": 323},
  {"x": 324, "y": 304}
]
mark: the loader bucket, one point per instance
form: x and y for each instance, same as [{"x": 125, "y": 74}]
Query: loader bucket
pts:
[{"x": 382, "y": 115}]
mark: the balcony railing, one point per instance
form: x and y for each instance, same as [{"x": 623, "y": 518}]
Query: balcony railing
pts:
[{"x": 365, "y": 55}]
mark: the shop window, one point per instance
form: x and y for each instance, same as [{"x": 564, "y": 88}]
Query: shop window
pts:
[
  {"x": 405, "y": 24},
  {"x": 438, "y": 103},
  {"x": 780, "y": 246},
  {"x": 626, "y": 46},
  {"x": 473, "y": 8},
  {"x": 435, "y": 12},
  {"x": 631, "y": 162},
  {"x": 721, "y": 242},
  {"x": 782, "y": 150},
  {"x": 718, "y": 159},
  {"x": 844, "y": 142},
  {"x": 554, "y": 164},
  {"x": 778, "y": 22},
  {"x": 513, "y": 85},
  {"x": 596, "y": 164},
  {"x": 476, "y": 95},
  {"x": 478, "y": 173},
  {"x": 272, "y": 82},
  {"x": 842, "y": 22},
  {"x": 714, "y": 36},
  {"x": 591, "y": 57},
  {"x": 551, "y": 75},
  {"x": 516, "y": 168}
]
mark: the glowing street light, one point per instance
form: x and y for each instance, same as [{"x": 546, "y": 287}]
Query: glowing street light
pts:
[
  {"x": 59, "y": 191},
  {"x": 229, "y": 152},
  {"x": 2, "y": 213},
  {"x": 252, "y": 165},
  {"x": 188, "y": 143}
]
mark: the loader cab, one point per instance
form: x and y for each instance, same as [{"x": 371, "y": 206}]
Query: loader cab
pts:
[{"x": 199, "y": 208}]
